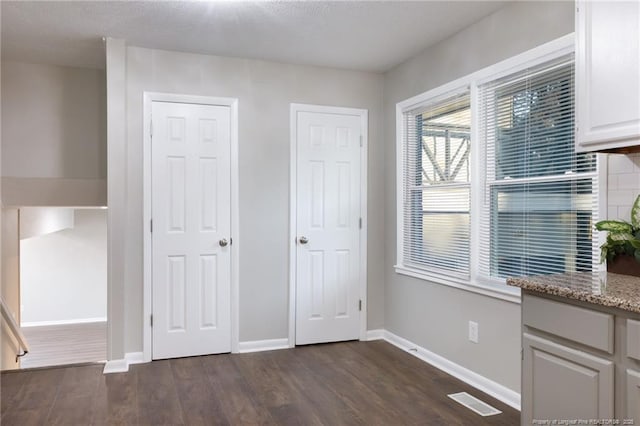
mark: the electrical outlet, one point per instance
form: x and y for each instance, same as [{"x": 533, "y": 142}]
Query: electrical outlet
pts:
[{"x": 473, "y": 331}]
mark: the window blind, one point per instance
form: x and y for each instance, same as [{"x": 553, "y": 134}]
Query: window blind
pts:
[
  {"x": 436, "y": 197},
  {"x": 540, "y": 198}
]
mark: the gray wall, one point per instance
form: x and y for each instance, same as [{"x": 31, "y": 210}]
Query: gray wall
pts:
[
  {"x": 53, "y": 135},
  {"x": 54, "y": 121},
  {"x": 431, "y": 315},
  {"x": 264, "y": 90}
]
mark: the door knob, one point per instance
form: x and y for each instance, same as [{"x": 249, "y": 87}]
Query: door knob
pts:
[
  {"x": 303, "y": 240},
  {"x": 223, "y": 242}
]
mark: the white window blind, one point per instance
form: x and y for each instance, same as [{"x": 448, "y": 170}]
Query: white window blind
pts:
[
  {"x": 436, "y": 198},
  {"x": 540, "y": 198}
]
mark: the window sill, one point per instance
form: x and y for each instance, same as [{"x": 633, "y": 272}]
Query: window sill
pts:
[{"x": 502, "y": 292}]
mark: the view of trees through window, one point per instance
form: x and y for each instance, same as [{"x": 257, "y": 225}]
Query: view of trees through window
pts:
[
  {"x": 535, "y": 200},
  {"x": 541, "y": 203}
]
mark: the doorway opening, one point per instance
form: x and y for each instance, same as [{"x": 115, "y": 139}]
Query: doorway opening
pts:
[{"x": 63, "y": 285}]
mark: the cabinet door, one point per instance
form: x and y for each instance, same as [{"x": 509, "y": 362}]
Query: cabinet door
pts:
[
  {"x": 633, "y": 396},
  {"x": 607, "y": 70},
  {"x": 563, "y": 383}
]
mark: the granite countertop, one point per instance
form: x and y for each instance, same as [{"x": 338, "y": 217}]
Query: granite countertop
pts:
[{"x": 605, "y": 289}]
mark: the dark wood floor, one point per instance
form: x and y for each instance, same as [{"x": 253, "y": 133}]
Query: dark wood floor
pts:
[{"x": 364, "y": 383}]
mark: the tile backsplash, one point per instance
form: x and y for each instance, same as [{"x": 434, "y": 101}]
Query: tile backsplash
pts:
[{"x": 623, "y": 184}]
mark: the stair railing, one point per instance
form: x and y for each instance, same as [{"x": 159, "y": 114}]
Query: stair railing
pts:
[{"x": 15, "y": 330}]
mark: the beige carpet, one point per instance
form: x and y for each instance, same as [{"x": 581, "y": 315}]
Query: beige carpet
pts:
[{"x": 65, "y": 344}]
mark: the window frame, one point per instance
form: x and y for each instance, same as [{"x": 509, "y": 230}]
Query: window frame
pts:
[{"x": 476, "y": 283}]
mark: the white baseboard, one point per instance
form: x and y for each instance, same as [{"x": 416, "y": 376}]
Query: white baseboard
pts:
[
  {"x": 122, "y": 365},
  {"x": 263, "y": 345},
  {"x": 116, "y": 366},
  {"x": 377, "y": 334},
  {"x": 134, "y": 358},
  {"x": 63, "y": 322},
  {"x": 496, "y": 390}
]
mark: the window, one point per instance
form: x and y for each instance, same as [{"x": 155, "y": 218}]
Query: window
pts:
[
  {"x": 490, "y": 185},
  {"x": 436, "y": 185},
  {"x": 540, "y": 196}
]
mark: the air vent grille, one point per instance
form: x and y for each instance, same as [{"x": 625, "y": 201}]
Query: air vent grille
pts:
[{"x": 474, "y": 404}]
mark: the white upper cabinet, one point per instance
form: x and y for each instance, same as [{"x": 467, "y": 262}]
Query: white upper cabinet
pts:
[{"x": 607, "y": 75}]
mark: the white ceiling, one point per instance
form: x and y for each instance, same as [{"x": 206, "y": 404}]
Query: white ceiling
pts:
[{"x": 368, "y": 36}]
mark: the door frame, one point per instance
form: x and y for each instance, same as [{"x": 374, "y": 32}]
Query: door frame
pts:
[
  {"x": 232, "y": 103},
  {"x": 363, "y": 114}
]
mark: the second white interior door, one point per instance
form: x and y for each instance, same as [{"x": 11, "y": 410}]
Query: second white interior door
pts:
[
  {"x": 191, "y": 213},
  {"x": 328, "y": 227}
]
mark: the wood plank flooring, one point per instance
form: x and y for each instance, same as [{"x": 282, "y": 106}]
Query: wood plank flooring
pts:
[
  {"x": 65, "y": 344},
  {"x": 351, "y": 383}
]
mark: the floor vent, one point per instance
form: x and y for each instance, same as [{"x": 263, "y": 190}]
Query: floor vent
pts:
[{"x": 474, "y": 404}]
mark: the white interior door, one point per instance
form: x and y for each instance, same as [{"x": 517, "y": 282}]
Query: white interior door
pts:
[
  {"x": 328, "y": 227},
  {"x": 191, "y": 205}
]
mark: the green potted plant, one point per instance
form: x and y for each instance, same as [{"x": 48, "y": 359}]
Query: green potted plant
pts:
[{"x": 622, "y": 248}]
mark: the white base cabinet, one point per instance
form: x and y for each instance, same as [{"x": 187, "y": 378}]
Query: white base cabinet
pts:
[
  {"x": 633, "y": 396},
  {"x": 561, "y": 383},
  {"x": 580, "y": 362}
]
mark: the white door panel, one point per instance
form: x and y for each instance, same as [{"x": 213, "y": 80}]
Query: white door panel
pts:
[
  {"x": 191, "y": 201},
  {"x": 328, "y": 216}
]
